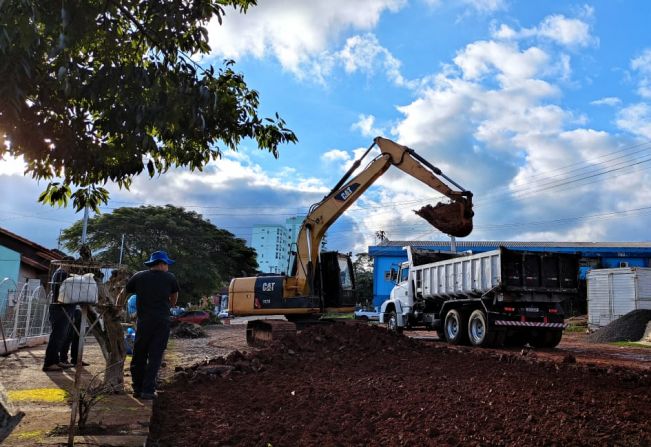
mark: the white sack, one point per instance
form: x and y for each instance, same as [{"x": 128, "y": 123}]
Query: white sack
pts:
[{"x": 78, "y": 289}]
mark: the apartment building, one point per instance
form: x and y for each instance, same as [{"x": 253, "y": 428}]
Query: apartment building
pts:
[{"x": 273, "y": 244}]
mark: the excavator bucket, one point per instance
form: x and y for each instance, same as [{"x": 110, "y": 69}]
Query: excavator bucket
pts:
[{"x": 453, "y": 218}]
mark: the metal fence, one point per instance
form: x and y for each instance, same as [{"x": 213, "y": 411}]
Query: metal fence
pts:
[{"x": 23, "y": 314}]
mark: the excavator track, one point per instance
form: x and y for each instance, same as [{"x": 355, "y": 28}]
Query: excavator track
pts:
[{"x": 261, "y": 332}]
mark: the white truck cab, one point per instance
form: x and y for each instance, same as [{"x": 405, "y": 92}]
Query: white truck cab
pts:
[{"x": 395, "y": 311}]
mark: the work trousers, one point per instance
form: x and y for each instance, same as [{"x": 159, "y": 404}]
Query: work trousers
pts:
[
  {"x": 60, "y": 315},
  {"x": 71, "y": 341},
  {"x": 148, "y": 348}
]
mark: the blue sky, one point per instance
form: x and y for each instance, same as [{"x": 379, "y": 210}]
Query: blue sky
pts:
[{"x": 542, "y": 109}]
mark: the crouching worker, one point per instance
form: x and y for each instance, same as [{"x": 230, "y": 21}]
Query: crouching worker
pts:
[{"x": 157, "y": 291}]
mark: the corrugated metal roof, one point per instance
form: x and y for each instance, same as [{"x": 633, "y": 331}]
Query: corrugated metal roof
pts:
[{"x": 516, "y": 244}]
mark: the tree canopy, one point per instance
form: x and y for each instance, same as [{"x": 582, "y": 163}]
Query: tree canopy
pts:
[
  {"x": 206, "y": 257},
  {"x": 363, "y": 268},
  {"x": 101, "y": 90}
]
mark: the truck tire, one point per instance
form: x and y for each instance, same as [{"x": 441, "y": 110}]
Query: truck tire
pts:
[
  {"x": 478, "y": 332},
  {"x": 392, "y": 323},
  {"x": 546, "y": 339},
  {"x": 455, "y": 328}
]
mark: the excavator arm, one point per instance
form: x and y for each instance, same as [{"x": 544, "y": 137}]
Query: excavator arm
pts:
[{"x": 454, "y": 218}]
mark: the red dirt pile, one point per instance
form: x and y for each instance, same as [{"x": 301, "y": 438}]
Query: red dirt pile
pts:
[{"x": 358, "y": 385}]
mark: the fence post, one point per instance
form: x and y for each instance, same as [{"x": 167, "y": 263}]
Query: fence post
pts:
[
  {"x": 28, "y": 315},
  {"x": 14, "y": 334}
]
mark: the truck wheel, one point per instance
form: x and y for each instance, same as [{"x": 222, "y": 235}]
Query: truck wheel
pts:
[
  {"x": 478, "y": 332},
  {"x": 455, "y": 328},
  {"x": 392, "y": 323},
  {"x": 546, "y": 339},
  {"x": 440, "y": 333}
]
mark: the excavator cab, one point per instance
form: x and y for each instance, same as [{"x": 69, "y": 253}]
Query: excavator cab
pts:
[{"x": 336, "y": 281}]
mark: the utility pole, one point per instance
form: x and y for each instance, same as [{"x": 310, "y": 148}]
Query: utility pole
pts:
[
  {"x": 84, "y": 228},
  {"x": 121, "y": 251}
]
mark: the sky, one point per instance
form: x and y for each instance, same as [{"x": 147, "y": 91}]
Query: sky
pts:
[{"x": 541, "y": 109}]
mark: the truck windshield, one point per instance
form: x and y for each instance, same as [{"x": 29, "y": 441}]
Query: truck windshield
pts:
[
  {"x": 404, "y": 274},
  {"x": 344, "y": 273}
]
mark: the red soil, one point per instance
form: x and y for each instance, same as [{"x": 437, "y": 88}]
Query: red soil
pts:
[{"x": 358, "y": 385}]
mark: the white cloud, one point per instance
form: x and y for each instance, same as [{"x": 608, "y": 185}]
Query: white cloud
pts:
[
  {"x": 366, "y": 55},
  {"x": 366, "y": 125},
  {"x": 484, "y": 57},
  {"x": 642, "y": 64},
  {"x": 335, "y": 155},
  {"x": 607, "y": 101},
  {"x": 486, "y": 6},
  {"x": 636, "y": 119},
  {"x": 481, "y": 6},
  {"x": 556, "y": 28},
  {"x": 298, "y": 34}
]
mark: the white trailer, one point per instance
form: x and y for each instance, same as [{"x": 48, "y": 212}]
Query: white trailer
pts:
[
  {"x": 615, "y": 292},
  {"x": 485, "y": 299}
]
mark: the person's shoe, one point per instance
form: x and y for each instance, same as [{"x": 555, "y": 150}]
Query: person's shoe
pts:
[
  {"x": 65, "y": 365},
  {"x": 82, "y": 363},
  {"x": 52, "y": 367},
  {"x": 148, "y": 396}
]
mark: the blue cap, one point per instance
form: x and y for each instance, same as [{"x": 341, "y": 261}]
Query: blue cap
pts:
[{"x": 159, "y": 256}]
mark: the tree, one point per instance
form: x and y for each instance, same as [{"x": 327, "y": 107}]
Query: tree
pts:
[
  {"x": 363, "y": 268},
  {"x": 207, "y": 257},
  {"x": 102, "y": 90}
]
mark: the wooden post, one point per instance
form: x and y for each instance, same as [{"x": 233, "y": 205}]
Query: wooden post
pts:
[{"x": 78, "y": 368}]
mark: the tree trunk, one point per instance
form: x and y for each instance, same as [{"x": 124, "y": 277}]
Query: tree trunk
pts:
[{"x": 110, "y": 334}]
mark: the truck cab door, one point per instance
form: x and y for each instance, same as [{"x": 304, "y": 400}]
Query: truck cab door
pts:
[{"x": 400, "y": 291}]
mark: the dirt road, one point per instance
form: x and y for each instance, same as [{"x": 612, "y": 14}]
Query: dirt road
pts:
[{"x": 358, "y": 385}]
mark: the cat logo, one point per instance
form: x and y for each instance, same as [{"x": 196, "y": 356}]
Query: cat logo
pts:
[{"x": 346, "y": 192}]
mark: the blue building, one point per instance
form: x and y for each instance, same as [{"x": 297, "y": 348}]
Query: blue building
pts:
[{"x": 390, "y": 254}]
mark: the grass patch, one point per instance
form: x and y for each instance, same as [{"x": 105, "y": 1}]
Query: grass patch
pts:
[
  {"x": 573, "y": 328},
  {"x": 346, "y": 316},
  {"x": 27, "y": 435},
  {"x": 39, "y": 394},
  {"x": 631, "y": 344}
]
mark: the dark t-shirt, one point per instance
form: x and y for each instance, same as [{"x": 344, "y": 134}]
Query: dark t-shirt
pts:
[
  {"x": 57, "y": 278},
  {"x": 153, "y": 288}
]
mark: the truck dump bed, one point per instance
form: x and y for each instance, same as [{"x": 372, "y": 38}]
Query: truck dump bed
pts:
[{"x": 515, "y": 275}]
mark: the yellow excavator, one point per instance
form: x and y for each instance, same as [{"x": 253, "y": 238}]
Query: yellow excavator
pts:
[{"x": 323, "y": 282}]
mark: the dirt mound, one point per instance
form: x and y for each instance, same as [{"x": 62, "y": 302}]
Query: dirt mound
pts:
[
  {"x": 359, "y": 385},
  {"x": 629, "y": 327},
  {"x": 188, "y": 330}
]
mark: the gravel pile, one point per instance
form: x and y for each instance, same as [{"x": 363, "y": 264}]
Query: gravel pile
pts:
[{"x": 629, "y": 327}]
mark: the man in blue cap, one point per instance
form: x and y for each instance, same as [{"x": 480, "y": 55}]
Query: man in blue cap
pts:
[{"x": 157, "y": 291}]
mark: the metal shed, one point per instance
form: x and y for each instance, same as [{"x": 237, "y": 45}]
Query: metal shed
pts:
[{"x": 613, "y": 293}]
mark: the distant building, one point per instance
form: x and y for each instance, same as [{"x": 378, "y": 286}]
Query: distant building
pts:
[
  {"x": 22, "y": 259},
  {"x": 273, "y": 244}
]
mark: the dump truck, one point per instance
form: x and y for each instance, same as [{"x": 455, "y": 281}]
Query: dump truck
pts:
[{"x": 486, "y": 299}]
